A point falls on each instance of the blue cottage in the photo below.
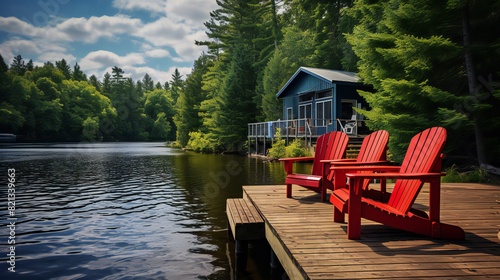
(324, 99)
(315, 101)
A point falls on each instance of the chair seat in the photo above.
(304, 180)
(304, 177)
(340, 199)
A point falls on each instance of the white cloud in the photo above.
(137, 73)
(14, 25)
(179, 37)
(57, 56)
(94, 28)
(163, 32)
(12, 48)
(193, 13)
(99, 59)
(74, 29)
(153, 6)
(37, 49)
(157, 53)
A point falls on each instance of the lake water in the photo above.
(123, 211)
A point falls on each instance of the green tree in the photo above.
(297, 50)
(30, 66)
(12, 106)
(18, 66)
(176, 85)
(47, 108)
(158, 101)
(187, 118)
(161, 128)
(95, 82)
(147, 83)
(412, 52)
(63, 66)
(3, 66)
(15, 92)
(90, 128)
(78, 74)
(106, 84)
(83, 106)
(237, 106)
(240, 44)
(209, 110)
(323, 19)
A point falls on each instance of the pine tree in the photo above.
(187, 118)
(78, 74)
(18, 66)
(3, 66)
(117, 74)
(176, 85)
(237, 106)
(64, 67)
(147, 83)
(412, 54)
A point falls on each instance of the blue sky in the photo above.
(140, 36)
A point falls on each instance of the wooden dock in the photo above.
(309, 245)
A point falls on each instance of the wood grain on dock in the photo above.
(310, 245)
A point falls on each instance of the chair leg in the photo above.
(354, 204)
(354, 225)
(338, 216)
(289, 190)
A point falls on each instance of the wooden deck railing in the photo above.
(291, 128)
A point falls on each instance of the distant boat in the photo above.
(7, 138)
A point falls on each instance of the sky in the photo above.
(139, 36)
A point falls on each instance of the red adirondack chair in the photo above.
(373, 151)
(422, 163)
(331, 145)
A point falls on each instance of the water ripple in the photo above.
(87, 214)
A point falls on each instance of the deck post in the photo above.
(241, 255)
(244, 223)
(257, 145)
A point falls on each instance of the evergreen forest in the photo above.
(430, 63)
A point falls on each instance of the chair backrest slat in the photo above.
(374, 147)
(331, 145)
(422, 156)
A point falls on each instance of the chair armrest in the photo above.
(339, 172)
(288, 162)
(356, 163)
(297, 159)
(338, 160)
(364, 167)
(391, 175)
(394, 175)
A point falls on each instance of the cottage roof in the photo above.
(327, 75)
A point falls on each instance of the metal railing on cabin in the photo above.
(302, 127)
(306, 128)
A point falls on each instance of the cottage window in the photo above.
(306, 97)
(305, 111)
(323, 112)
(324, 94)
(289, 113)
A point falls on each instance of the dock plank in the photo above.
(311, 246)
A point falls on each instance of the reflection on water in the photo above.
(122, 210)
